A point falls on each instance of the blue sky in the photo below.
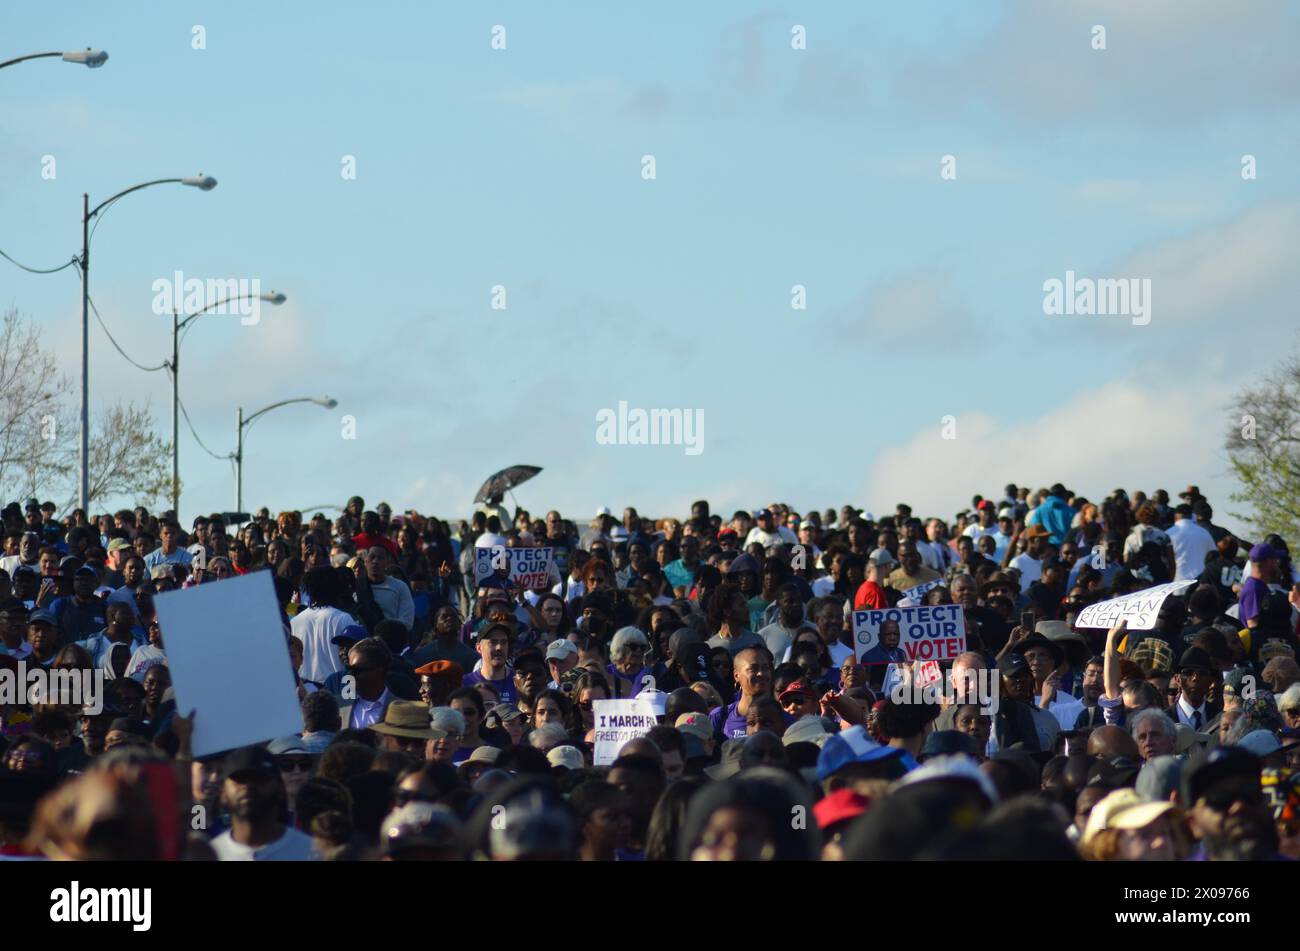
(522, 167)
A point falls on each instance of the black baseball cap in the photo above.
(249, 759)
(1011, 664)
(1212, 766)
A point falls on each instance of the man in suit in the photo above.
(1196, 673)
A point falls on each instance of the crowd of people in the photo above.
(448, 714)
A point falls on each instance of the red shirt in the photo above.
(365, 542)
(870, 595)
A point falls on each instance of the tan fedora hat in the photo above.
(407, 718)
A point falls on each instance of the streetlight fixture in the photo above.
(243, 423)
(203, 183)
(178, 324)
(87, 57)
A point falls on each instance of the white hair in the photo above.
(447, 719)
(1289, 699)
(622, 638)
(1166, 724)
(547, 736)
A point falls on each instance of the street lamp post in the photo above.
(178, 324)
(242, 423)
(87, 57)
(203, 183)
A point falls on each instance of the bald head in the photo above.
(641, 747)
(1110, 741)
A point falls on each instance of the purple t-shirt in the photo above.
(505, 687)
(727, 721)
(1252, 592)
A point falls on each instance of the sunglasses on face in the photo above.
(290, 764)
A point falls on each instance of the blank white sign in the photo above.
(229, 660)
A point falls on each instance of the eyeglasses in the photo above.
(290, 764)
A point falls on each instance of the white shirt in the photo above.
(1031, 569)
(367, 713)
(293, 846)
(1191, 544)
(1186, 710)
(766, 539)
(1066, 709)
(823, 586)
(142, 658)
(315, 627)
(575, 590)
(935, 555)
(393, 597)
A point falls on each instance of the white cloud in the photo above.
(1166, 61)
(1145, 433)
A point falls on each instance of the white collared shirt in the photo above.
(366, 713)
(1185, 711)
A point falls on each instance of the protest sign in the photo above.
(1140, 609)
(229, 659)
(917, 594)
(925, 632)
(618, 721)
(525, 567)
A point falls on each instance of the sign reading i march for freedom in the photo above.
(1140, 609)
(617, 722)
(525, 567)
(925, 632)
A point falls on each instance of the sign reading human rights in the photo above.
(926, 632)
(1140, 609)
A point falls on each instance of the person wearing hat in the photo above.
(493, 645)
(1045, 657)
(561, 657)
(119, 549)
(421, 832)
(43, 638)
(13, 629)
(438, 679)
(1196, 674)
(80, 614)
(406, 728)
(507, 717)
(871, 593)
(1018, 719)
(1228, 812)
(1125, 827)
(252, 792)
(835, 814)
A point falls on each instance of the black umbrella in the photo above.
(499, 483)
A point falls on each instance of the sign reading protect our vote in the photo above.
(1140, 609)
(525, 567)
(930, 632)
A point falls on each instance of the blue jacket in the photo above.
(1055, 515)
